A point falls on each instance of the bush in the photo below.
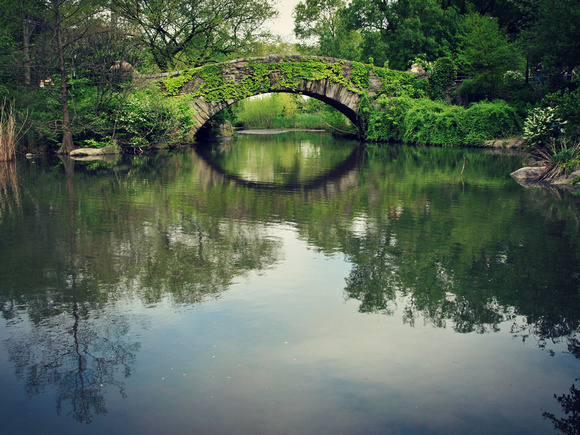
(150, 119)
(386, 124)
(424, 121)
(491, 120)
(541, 127)
(444, 73)
(513, 81)
(430, 122)
(567, 107)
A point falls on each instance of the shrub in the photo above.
(513, 80)
(558, 157)
(148, 118)
(444, 73)
(567, 107)
(490, 120)
(541, 127)
(425, 121)
(386, 124)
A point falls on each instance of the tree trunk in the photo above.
(27, 29)
(67, 142)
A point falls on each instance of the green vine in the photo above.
(259, 78)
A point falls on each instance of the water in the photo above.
(286, 284)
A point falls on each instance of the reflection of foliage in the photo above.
(77, 355)
(570, 404)
(456, 257)
(8, 186)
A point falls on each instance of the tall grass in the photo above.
(288, 111)
(7, 133)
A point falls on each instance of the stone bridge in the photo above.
(339, 83)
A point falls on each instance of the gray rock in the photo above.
(566, 179)
(511, 142)
(94, 151)
(528, 176)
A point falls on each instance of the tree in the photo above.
(402, 30)
(554, 36)
(484, 54)
(323, 20)
(194, 31)
(74, 24)
(20, 21)
(70, 20)
(315, 18)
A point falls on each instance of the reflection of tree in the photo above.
(570, 404)
(88, 242)
(71, 343)
(473, 283)
(192, 258)
(8, 186)
(455, 257)
(80, 353)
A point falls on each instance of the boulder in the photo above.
(565, 180)
(511, 142)
(528, 176)
(225, 129)
(417, 69)
(95, 151)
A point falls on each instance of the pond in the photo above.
(289, 283)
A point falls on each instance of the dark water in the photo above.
(287, 284)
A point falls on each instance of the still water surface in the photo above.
(287, 283)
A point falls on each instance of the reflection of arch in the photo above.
(341, 178)
(338, 83)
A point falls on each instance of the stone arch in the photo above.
(336, 82)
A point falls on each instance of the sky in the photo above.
(284, 24)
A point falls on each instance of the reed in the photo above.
(7, 133)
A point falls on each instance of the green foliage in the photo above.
(424, 121)
(323, 21)
(260, 112)
(177, 32)
(360, 75)
(283, 110)
(559, 157)
(92, 143)
(485, 55)
(399, 83)
(554, 35)
(444, 73)
(491, 120)
(541, 127)
(149, 119)
(386, 123)
(545, 140)
(291, 71)
(399, 31)
(513, 80)
(566, 105)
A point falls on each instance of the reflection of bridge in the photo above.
(341, 178)
(339, 83)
